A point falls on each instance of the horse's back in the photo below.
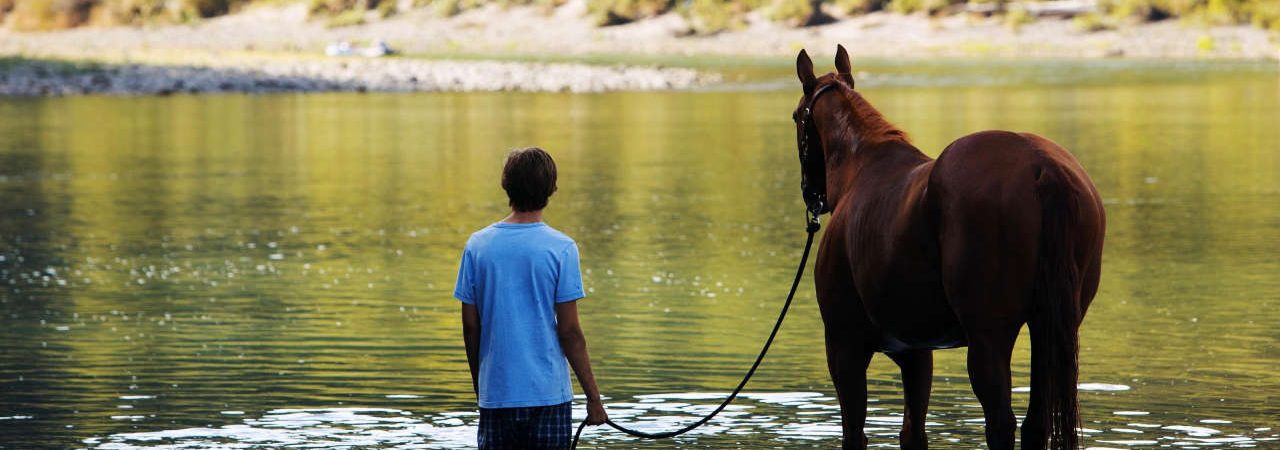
(987, 188)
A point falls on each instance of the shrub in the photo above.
(386, 8)
(1016, 17)
(930, 7)
(6, 6)
(346, 18)
(859, 6)
(33, 15)
(345, 12)
(132, 11)
(1260, 13)
(795, 13)
(448, 8)
(1265, 15)
(199, 9)
(710, 16)
(1092, 22)
(1205, 43)
(615, 12)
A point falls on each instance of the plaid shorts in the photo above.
(535, 427)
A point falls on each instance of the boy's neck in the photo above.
(524, 217)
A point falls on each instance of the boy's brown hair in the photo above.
(529, 177)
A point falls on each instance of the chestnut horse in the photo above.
(1003, 229)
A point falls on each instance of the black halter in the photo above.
(815, 198)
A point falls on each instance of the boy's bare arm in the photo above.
(471, 338)
(574, 344)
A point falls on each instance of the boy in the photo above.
(519, 284)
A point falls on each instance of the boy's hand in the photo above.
(595, 413)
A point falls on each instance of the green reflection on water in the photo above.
(249, 253)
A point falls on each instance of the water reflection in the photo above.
(175, 272)
(798, 419)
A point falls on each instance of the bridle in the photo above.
(815, 199)
(815, 202)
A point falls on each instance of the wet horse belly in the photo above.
(917, 320)
(951, 337)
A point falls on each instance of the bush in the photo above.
(449, 8)
(859, 6)
(930, 7)
(346, 18)
(199, 9)
(386, 8)
(795, 13)
(1265, 15)
(710, 16)
(1016, 17)
(1260, 13)
(1205, 43)
(6, 6)
(35, 15)
(335, 7)
(132, 11)
(616, 12)
(1092, 22)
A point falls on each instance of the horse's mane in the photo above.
(871, 126)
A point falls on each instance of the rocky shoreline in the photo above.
(36, 77)
(280, 49)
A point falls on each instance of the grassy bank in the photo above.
(703, 16)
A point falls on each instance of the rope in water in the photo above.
(812, 228)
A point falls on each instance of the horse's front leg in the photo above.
(917, 381)
(847, 359)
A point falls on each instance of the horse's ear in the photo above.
(804, 70)
(843, 69)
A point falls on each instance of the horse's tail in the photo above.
(1055, 312)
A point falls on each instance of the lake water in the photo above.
(275, 271)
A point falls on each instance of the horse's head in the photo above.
(812, 129)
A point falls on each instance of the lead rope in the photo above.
(811, 228)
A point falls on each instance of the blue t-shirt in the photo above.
(515, 273)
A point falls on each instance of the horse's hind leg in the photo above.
(989, 374)
(917, 381)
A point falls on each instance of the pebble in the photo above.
(53, 78)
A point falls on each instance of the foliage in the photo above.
(32, 15)
(1205, 43)
(859, 6)
(1017, 17)
(930, 7)
(710, 16)
(54, 14)
(6, 6)
(338, 7)
(615, 12)
(792, 12)
(704, 16)
(1092, 22)
(132, 11)
(192, 9)
(1260, 13)
(1264, 15)
(448, 8)
(346, 18)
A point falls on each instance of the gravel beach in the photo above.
(261, 75)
